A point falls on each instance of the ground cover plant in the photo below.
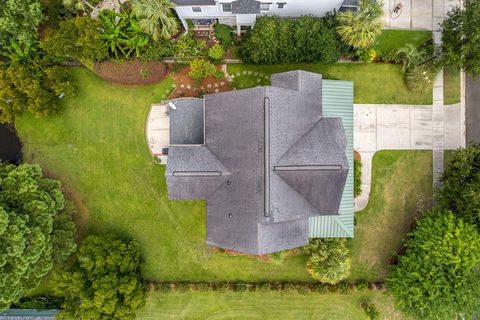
(99, 160)
(36, 229)
(396, 199)
(357, 184)
(451, 85)
(386, 76)
(267, 305)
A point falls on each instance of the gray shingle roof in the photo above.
(270, 161)
(245, 7)
(186, 121)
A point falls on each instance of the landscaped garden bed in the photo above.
(132, 72)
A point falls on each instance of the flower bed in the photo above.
(132, 72)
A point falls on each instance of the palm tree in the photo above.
(411, 56)
(156, 18)
(360, 29)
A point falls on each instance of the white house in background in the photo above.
(243, 13)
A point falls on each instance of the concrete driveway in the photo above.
(398, 127)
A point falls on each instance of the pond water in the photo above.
(10, 146)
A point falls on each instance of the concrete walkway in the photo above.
(401, 127)
(415, 14)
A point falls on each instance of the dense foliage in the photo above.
(223, 33)
(282, 40)
(20, 19)
(36, 86)
(77, 39)
(439, 276)
(460, 191)
(104, 283)
(329, 259)
(156, 18)
(81, 5)
(122, 33)
(187, 46)
(200, 69)
(216, 52)
(460, 38)
(360, 29)
(357, 184)
(36, 229)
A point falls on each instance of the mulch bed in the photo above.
(191, 89)
(356, 155)
(133, 72)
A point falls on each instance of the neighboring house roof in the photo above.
(245, 7)
(27, 314)
(194, 2)
(270, 162)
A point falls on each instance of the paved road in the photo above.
(472, 110)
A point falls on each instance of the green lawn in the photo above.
(97, 148)
(263, 305)
(390, 40)
(451, 85)
(401, 190)
(373, 83)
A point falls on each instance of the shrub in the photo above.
(104, 283)
(371, 310)
(329, 260)
(216, 52)
(460, 190)
(36, 229)
(223, 33)
(39, 303)
(366, 55)
(219, 74)
(439, 275)
(186, 46)
(357, 169)
(283, 40)
(156, 50)
(420, 78)
(200, 69)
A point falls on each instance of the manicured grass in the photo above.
(97, 148)
(373, 83)
(401, 191)
(263, 305)
(451, 85)
(390, 40)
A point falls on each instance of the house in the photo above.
(243, 13)
(267, 161)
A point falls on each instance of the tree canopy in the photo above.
(104, 283)
(360, 29)
(439, 276)
(283, 40)
(460, 191)
(329, 259)
(36, 86)
(77, 39)
(36, 229)
(156, 18)
(461, 38)
(20, 19)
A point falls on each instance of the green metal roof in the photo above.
(337, 101)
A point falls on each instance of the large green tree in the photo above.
(360, 29)
(104, 283)
(439, 275)
(20, 19)
(460, 190)
(156, 18)
(36, 229)
(461, 38)
(35, 86)
(329, 259)
(77, 39)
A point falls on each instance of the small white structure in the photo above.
(243, 13)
